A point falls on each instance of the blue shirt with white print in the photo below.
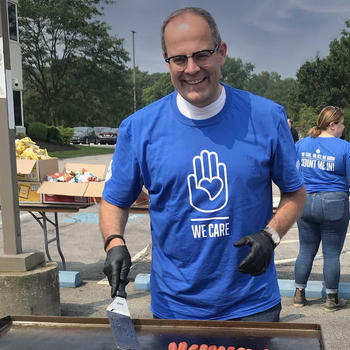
(324, 163)
(210, 183)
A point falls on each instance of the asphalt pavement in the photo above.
(82, 246)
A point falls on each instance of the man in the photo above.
(207, 154)
(293, 131)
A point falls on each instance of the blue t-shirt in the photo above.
(209, 183)
(324, 163)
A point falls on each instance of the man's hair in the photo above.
(329, 114)
(200, 12)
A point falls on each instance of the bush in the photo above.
(37, 131)
(54, 135)
(66, 134)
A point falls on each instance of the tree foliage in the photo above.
(73, 69)
(326, 81)
(339, 65)
(347, 123)
(313, 78)
(307, 119)
(161, 87)
(75, 72)
(270, 85)
(236, 73)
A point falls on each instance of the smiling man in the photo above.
(194, 58)
(207, 153)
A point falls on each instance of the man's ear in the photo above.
(222, 52)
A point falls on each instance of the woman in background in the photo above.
(325, 164)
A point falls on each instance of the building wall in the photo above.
(16, 64)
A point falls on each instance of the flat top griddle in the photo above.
(60, 333)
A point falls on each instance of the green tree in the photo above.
(161, 87)
(314, 80)
(326, 81)
(281, 92)
(236, 73)
(262, 83)
(347, 123)
(72, 67)
(307, 119)
(339, 68)
(143, 80)
(270, 85)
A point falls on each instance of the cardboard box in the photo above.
(36, 170)
(95, 189)
(59, 199)
(57, 192)
(98, 170)
(28, 192)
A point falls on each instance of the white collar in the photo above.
(200, 113)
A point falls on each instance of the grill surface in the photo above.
(59, 333)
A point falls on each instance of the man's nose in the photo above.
(191, 66)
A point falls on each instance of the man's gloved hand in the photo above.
(117, 266)
(258, 260)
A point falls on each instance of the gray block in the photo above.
(34, 292)
(70, 279)
(142, 281)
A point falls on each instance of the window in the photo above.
(12, 14)
(17, 107)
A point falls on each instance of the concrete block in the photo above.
(142, 281)
(287, 288)
(315, 289)
(70, 279)
(34, 292)
(24, 261)
(344, 290)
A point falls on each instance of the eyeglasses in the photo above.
(200, 57)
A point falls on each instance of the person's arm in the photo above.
(263, 243)
(118, 261)
(113, 220)
(289, 209)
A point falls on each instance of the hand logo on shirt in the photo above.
(207, 185)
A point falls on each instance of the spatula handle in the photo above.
(121, 289)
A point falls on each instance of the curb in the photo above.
(314, 289)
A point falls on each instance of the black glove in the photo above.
(258, 260)
(116, 268)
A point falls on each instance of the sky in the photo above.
(274, 35)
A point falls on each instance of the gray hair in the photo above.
(200, 12)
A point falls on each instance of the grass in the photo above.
(81, 151)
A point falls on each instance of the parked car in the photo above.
(84, 134)
(106, 135)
